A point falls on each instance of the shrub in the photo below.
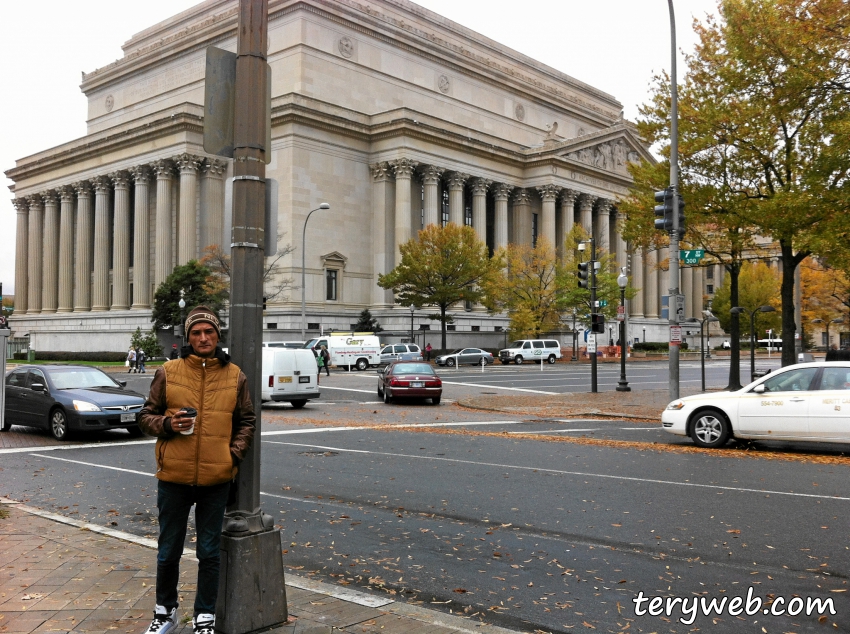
(74, 356)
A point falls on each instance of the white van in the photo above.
(290, 376)
(350, 349)
(537, 350)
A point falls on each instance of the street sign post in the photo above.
(621, 313)
(692, 256)
(591, 344)
(675, 335)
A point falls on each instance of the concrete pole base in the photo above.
(251, 589)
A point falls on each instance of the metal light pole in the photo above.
(575, 336)
(303, 269)
(412, 309)
(592, 273)
(622, 282)
(694, 320)
(760, 309)
(674, 184)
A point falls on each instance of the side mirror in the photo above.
(37, 387)
(759, 389)
(122, 383)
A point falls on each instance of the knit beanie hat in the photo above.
(202, 314)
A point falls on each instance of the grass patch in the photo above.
(4, 513)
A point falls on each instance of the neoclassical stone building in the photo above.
(394, 115)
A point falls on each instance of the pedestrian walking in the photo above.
(174, 352)
(320, 363)
(141, 357)
(428, 352)
(131, 360)
(326, 359)
(200, 411)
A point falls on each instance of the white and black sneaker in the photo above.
(164, 620)
(203, 624)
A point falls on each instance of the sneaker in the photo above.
(203, 624)
(163, 620)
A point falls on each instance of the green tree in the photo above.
(147, 341)
(757, 286)
(367, 323)
(441, 267)
(193, 279)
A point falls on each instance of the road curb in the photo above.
(514, 411)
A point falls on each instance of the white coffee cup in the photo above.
(190, 430)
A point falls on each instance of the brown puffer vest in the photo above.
(202, 458)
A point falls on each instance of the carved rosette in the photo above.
(403, 167)
(521, 197)
(444, 84)
(480, 186)
(381, 171)
(188, 163)
(456, 180)
(121, 179)
(163, 168)
(214, 168)
(549, 192)
(345, 46)
(431, 175)
(502, 191)
(67, 194)
(519, 112)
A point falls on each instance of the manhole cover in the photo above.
(318, 454)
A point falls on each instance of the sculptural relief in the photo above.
(607, 156)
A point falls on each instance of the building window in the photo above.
(444, 204)
(331, 280)
(824, 339)
(709, 273)
(272, 325)
(476, 329)
(533, 231)
(498, 328)
(467, 207)
(709, 288)
(312, 326)
(451, 327)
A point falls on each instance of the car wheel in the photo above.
(551, 358)
(450, 362)
(482, 361)
(387, 398)
(59, 425)
(298, 404)
(518, 359)
(135, 432)
(362, 364)
(435, 400)
(710, 429)
(380, 392)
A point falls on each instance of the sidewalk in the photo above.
(61, 575)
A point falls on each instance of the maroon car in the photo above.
(405, 379)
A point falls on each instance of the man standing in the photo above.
(200, 410)
(174, 352)
(141, 357)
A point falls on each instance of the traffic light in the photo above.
(597, 323)
(664, 211)
(584, 274)
(681, 216)
(264, 303)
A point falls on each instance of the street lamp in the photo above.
(182, 305)
(644, 334)
(693, 320)
(622, 282)
(303, 269)
(761, 309)
(412, 308)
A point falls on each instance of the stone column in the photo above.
(66, 249)
(36, 257)
(456, 181)
(22, 208)
(121, 242)
(622, 249)
(141, 237)
(522, 217)
(568, 216)
(479, 207)
(84, 253)
(650, 294)
(50, 254)
(585, 202)
(501, 191)
(698, 293)
(162, 260)
(687, 289)
(212, 206)
(549, 194)
(102, 231)
(187, 218)
(403, 169)
(603, 225)
(431, 180)
(637, 305)
(382, 230)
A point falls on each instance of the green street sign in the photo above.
(603, 303)
(692, 256)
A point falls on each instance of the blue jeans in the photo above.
(174, 502)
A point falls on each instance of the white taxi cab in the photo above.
(805, 402)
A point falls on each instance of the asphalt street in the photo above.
(489, 516)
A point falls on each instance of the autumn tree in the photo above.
(192, 279)
(758, 286)
(441, 267)
(275, 285)
(825, 295)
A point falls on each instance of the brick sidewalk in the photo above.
(60, 575)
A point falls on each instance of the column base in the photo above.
(251, 590)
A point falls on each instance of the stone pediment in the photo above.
(335, 257)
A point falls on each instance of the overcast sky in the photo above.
(614, 45)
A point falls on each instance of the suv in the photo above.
(400, 352)
(536, 350)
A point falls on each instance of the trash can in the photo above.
(30, 356)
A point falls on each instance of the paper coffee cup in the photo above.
(190, 411)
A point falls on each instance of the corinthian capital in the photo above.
(587, 200)
(501, 191)
(431, 174)
(35, 202)
(381, 171)
(120, 179)
(456, 180)
(188, 163)
(50, 197)
(163, 168)
(548, 192)
(214, 168)
(568, 197)
(403, 167)
(83, 189)
(521, 197)
(604, 206)
(141, 174)
(22, 206)
(101, 184)
(480, 186)
(67, 194)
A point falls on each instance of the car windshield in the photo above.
(517, 344)
(79, 378)
(311, 343)
(458, 351)
(412, 368)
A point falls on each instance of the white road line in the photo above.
(573, 473)
(66, 447)
(93, 464)
(346, 389)
(496, 387)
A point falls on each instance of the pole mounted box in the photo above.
(597, 323)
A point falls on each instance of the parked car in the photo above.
(400, 352)
(283, 344)
(403, 379)
(69, 398)
(465, 356)
(802, 402)
(537, 350)
(289, 376)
